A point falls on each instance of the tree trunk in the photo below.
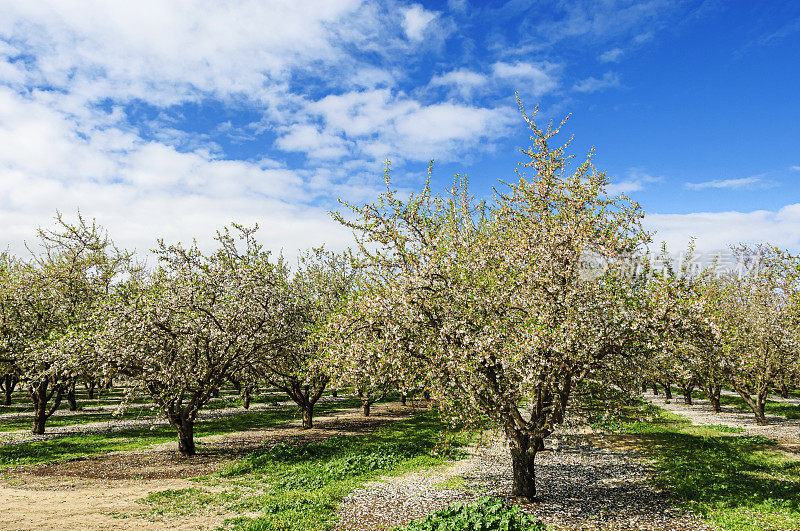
(761, 417)
(687, 395)
(757, 405)
(402, 399)
(523, 454)
(784, 391)
(73, 404)
(334, 393)
(9, 382)
(426, 395)
(668, 391)
(90, 386)
(39, 420)
(308, 415)
(246, 398)
(713, 392)
(365, 407)
(715, 403)
(40, 398)
(186, 438)
(655, 389)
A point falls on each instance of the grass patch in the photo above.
(300, 487)
(735, 482)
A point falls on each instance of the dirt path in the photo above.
(103, 492)
(583, 485)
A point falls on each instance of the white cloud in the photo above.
(379, 124)
(593, 84)
(169, 52)
(317, 144)
(611, 56)
(795, 167)
(463, 80)
(744, 182)
(140, 190)
(537, 78)
(635, 182)
(415, 21)
(719, 230)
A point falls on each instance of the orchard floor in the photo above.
(586, 481)
(785, 431)
(104, 492)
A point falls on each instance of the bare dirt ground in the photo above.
(103, 492)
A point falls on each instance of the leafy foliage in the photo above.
(485, 514)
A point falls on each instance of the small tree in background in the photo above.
(47, 306)
(320, 285)
(757, 316)
(182, 331)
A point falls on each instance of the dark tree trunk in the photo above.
(246, 398)
(73, 404)
(715, 403)
(39, 420)
(655, 389)
(757, 405)
(9, 382)
(334, 393)
(784, 391)
(40, 398)
(713, 393)
(308, 415)
(687, 394)
(668, 390)
(644, 386)
(90, 387)
(426, 395)
(186, 438)
(365, 407)
(403, 399)
(523, 454)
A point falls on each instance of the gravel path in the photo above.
(582, 485)
(781, 429)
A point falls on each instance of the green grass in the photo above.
(735, 482)
(300, 487)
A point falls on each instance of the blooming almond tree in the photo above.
(687, 337)
(493, 299)
(759, 313)
(318, 287)
(47, 306)
(182, 331)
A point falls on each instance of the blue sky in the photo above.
(171, 119)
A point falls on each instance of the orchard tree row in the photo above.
(740, 331)
(485, 305)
